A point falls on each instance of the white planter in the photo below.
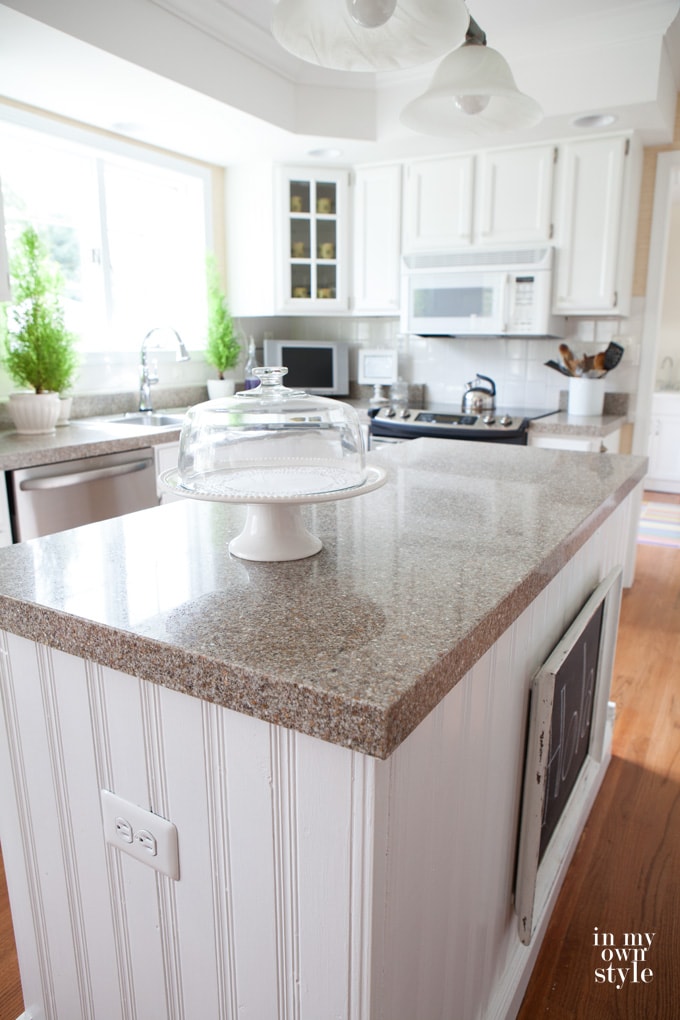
(220, 388)
(586, 396)
(34, 413)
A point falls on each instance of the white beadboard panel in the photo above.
(241, 772)
(135, 899)
(448, 943)
(197, 968)
(62, 988)
(314, 881)
(365, 862)
(18, 849)
(66, 682)
(322, 883)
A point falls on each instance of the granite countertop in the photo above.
(86, 438)
(577, 425)
(355, 645)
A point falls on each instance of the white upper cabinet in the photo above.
(376, 240)
(514, 195)
(599, 184)
(438, 203)
(287, 243)
(313, 259)
(289, 248)
(493, 198)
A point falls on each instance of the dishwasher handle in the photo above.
(81, 477)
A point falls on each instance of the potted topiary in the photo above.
(38, 350)
(223, 348)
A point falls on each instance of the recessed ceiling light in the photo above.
(324, 153)
(595, 120)
(126, 127)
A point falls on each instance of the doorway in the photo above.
(666, 195)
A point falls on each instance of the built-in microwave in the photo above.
(474, 292)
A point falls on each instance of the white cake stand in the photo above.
(274, 529)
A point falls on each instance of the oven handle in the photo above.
(81, 477)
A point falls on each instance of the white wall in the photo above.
(668, 347)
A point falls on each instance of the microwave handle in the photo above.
(505, 303)
(507, 298)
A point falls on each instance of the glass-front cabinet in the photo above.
(314, 220)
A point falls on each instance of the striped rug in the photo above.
(660, 524)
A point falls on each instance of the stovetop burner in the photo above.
(502, 424)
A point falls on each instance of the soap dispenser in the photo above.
(251, 380)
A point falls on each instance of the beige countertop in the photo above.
(355, 645)
(563, 423)
(86, 438)
(91, 436)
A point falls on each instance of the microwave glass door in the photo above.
(456, 303)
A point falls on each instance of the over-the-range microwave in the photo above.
(477, 292)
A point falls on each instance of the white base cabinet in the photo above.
(584, 444)
(664, 444)
(315, 881)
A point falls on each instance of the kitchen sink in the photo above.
(152, 419)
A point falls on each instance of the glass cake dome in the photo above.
(271, 443)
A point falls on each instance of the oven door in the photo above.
(446, 303)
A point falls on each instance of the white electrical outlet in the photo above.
(146, 837)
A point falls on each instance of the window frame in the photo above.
(98, 143)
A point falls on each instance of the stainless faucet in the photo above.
(148, 374)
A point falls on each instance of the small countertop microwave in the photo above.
(477, 292)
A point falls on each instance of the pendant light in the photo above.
(472, 91)
(369, 35)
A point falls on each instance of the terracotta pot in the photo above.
(34, 413)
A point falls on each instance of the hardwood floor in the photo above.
(625, 873)
(11, 999)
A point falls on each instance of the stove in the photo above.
(502, 425)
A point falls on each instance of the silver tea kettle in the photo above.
(477, 396)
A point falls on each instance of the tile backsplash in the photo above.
(441, 366)
(444, 365)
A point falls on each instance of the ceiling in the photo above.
(205, 77)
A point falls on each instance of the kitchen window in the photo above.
(128, 227)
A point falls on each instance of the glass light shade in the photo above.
(463, 80)
(271, 443)
(324, 32)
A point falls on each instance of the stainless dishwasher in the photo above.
(54, 497)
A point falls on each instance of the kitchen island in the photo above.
(338, 740)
